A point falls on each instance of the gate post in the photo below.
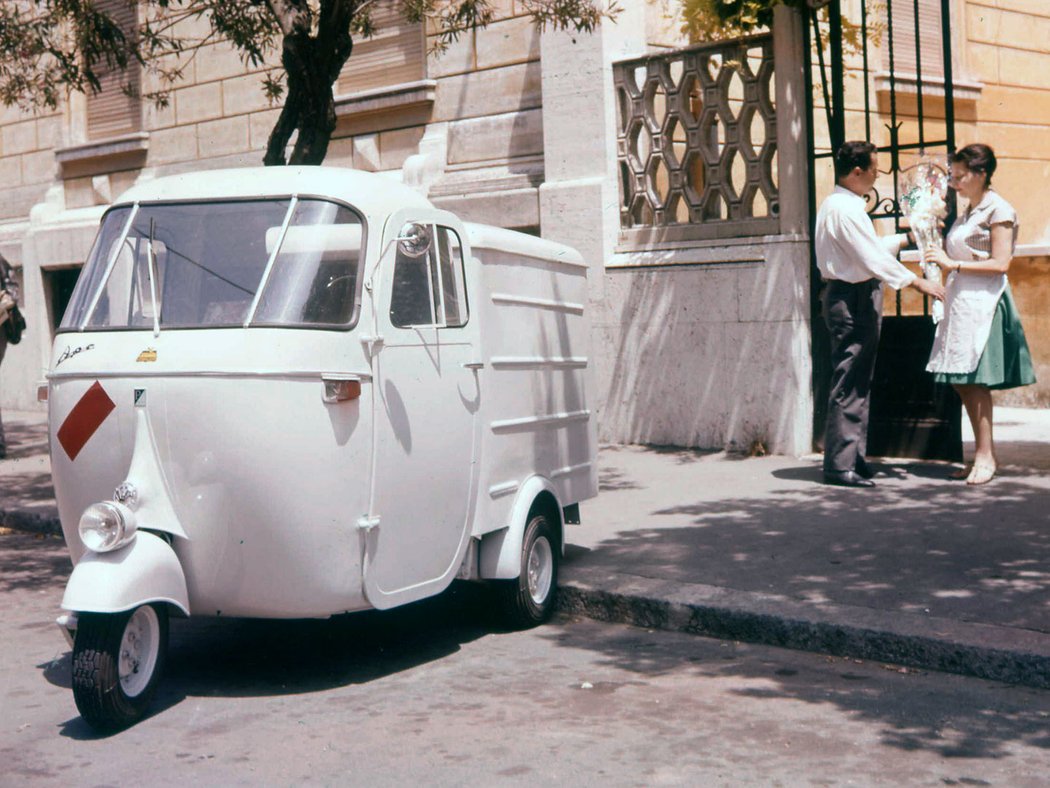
(792, 120)
(579, 196)
(793, 178)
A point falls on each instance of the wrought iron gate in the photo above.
(910, 416)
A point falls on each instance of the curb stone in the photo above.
(31, 523)
(905, 639)
(908, 639)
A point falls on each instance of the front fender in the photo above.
(500, 555)
(147, 570)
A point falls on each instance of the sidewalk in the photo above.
(919, 571)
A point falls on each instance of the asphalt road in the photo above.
(433, 695)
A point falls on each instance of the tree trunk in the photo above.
(316, 123)
(312, 66)
(287, 122)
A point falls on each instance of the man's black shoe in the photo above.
(847, 479)
(863, 469)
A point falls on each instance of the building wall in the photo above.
(475, 136)
(489, 98)
(27, 169)
(704, 345)
(1007, 48)
(714, 355)
(1030, 283)
(473, 125)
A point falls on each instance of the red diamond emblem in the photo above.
(85, 418)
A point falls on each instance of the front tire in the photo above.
(118, 659)
(529, 599)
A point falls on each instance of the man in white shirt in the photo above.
(854, 262)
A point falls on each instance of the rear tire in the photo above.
(118, 659)
(529, 599)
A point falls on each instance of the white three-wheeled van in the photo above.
(299, 392)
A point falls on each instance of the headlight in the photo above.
(106, 526)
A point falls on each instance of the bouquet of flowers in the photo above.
(925, 187)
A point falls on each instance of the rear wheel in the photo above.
(529, 599)
(117, 662)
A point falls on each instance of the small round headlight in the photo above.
(106, 526)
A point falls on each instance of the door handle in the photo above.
(474, 365)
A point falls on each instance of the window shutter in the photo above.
(111, 112)
(394, 55)
(930, 39)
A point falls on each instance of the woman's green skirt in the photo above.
(1005, 362)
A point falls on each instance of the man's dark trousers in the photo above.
(853, 315)
(3, 348)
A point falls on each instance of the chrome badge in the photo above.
(126, 494)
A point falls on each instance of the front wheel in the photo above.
(117, 662)
(529, 599)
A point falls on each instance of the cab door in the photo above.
(427, 377)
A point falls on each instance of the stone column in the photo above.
(792, 118)
(793, 164)
(579, 199)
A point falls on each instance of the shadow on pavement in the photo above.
(906, 720)
(971, 554)
(25, 439)
(28, 488)
(258, 658)
(33, 562)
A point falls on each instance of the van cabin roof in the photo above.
(486, 236)
(368, 192)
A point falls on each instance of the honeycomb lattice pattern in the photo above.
(697, 142)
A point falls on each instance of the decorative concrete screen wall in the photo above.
(700, 273)
(696, 143)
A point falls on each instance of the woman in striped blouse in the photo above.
(980, 344)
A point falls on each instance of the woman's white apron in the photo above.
(971, 300)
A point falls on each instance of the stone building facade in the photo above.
(699, 339)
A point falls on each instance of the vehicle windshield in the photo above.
(287, 262)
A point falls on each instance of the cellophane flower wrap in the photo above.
(925, 186)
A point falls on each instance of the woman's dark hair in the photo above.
(854, 153)
(976, 158)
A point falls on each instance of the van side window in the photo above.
(453, 293)
(428, 291)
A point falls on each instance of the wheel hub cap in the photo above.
(139, 648)
(540, 570)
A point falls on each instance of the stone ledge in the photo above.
(403, 96)
(475, 179)
(100, 157)
(114, 146)
(962, 90)
(754, 249)
(513, 208)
